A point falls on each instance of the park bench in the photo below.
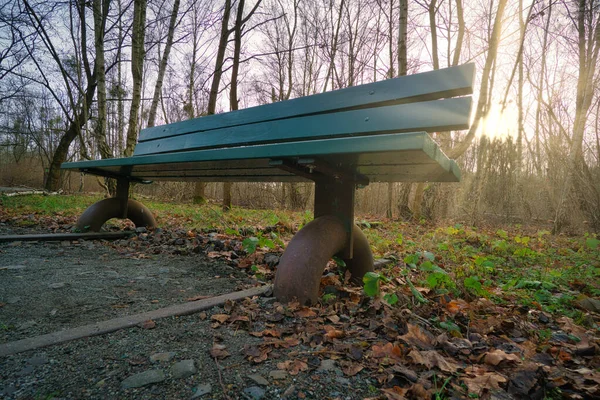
(340, 140)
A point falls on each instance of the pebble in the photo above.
(259, 379)
(14, 267)
(141, 229)
(162, 357)
(183, 369)
(38, 360)
(289, 392)
(278, 374)
(327, 365)
(201, 390)
(57, 285)
(144, 378)
(254, 392)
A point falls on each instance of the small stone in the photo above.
(278, 374)
(259, 379)
(38, 360)
(590, 304)
(141, 229)
(254, 392)
(65, 243)
(183, 369)
(201, 390)
(327, 365)
(144, 378)
(271, 259)
(162, 357)
(13, 300)
(57, 285)
(289, 392)
(382, 262)
(101, 383)
(342, 381)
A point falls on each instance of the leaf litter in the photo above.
(435, 341)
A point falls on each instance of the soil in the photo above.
(50, 286)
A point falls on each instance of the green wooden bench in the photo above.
(340, 140)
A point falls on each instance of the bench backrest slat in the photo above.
(438, 115)
(427, 86)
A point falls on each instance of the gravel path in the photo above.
(49, 286)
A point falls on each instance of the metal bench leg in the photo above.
(331, 232)
(121, 206)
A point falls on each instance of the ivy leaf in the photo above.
(249, 244)
(339, 261)
(371, 283)
(472, 283)
(390, 298)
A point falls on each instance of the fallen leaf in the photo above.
(495, 357)
(418, 337)
(432, 358)
(294, 367)
(219, 351)
(305, 312)
(395, 393)
(386, 350)
(239, 318)
(148, 324)
(334, 318)
(222, 318)
(332, 333)
(351, 368)
(271, 332)
(485, 381)
(457, 305)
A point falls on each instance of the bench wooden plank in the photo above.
(432, 85)
(406, 152)
(438, 115)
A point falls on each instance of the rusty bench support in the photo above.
(120, 206)
(332, 232)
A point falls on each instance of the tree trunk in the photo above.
(484, 92)
(216, 82)
(101, 8)
(163, 64)
(137, 72)
(60, 154)
(588, 58)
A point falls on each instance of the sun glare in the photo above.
(498, 123)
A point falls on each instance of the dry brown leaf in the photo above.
(148, 324)
(239, 318)
(219, 351)
(457, 305)
(418, 337)
(495, 357)
(331, 280)
(432, 358)
(222, 318)
(387, 350)
(334, 319)
(294, 367)
(305, 312)
(333, 333)
(395, 393)
(271, 332)
(351, 368)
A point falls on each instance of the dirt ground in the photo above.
(50, 286)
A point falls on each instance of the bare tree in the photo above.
(138, 52)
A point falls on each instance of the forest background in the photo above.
(79, 79)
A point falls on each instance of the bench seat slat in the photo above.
(432, 85)
(438, 115)
(387, 158)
